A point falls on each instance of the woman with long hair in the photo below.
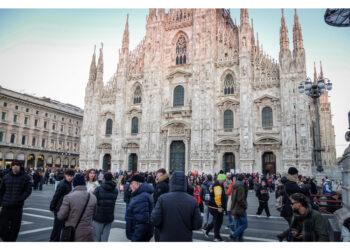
(91, 180)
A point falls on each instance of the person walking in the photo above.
(138, 214)
(217, 206)
(91, 180)
(263, 196)
(307, 224)
(15, 188)
(72, 207)
(106, 195)
(205, 197)
(63, 188)
(176, 213)
(239, 206)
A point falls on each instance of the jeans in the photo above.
(10, 223)
(216, 223)
(101, 231)
(242, 224)
(231, 221)
(207, 217)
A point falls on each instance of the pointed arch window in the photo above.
(228, 119)
(181, 49)
(137, 95)
(228, 85)
(109, 125)
(179, 93)
(267, 117)
(135, 125)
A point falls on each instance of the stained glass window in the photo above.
(181, 49)
(228, 85)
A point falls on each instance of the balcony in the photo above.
(177, 112)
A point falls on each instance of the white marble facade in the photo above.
(214, 47)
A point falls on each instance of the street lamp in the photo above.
(315, 90)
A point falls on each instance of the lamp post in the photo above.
(315, 90)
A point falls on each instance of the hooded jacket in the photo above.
(15, 189)
(239, 196)
(162, 187)
(106, 195)
(177, 213)
(138, 214)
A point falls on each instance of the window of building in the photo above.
(23, 140)
(27, 110)
(135, 125)
(36, 123)
(46, 114)
(137, 95)
(228, 85)
(77, 123)
(109, 125)
(43, 143)
(16, 107)
(179, 93)
(67, 146)
(52, 144)
(54, 126)
(14, 118)
(5, 104)
(76, 131)
(37, 112)
(1, 136)
(267, 118)
(228, 119)
(33, 141)
(62, 118)
(45, 124)
(75, 146)
(59, 144)
(70, 120)
(181, 49)
(3, 116)
(69, 130)
(12, 139)
(54, 117)
(62, 128)
(25, 120)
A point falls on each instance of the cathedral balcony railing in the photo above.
(226, 61)
(182, 111)
(234, 132)
(274, 130)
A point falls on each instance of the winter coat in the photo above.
(71, 209)
(138, 214)
(63, 188)
(217, 196)
(312, 225)
(262, 193)
(177, 213)
(239, 196)
(15, 189)
(205, 189)
(106, 195)
(196, 195)
(127, 192)
(162, 187)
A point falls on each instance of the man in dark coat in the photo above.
(138, 215)
(176, 213)
(14, 190)
(63, 188)
(162, 187)
(263, 196)
(106, 195)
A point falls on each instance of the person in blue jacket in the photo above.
(138, 214)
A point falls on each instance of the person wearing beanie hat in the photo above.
(293, 171)
(138, 214)
(217, 206)
(15, 188)
(73, 205)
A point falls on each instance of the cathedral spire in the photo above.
(257, 43)
(244, 17)
(92, 75)
(315, 73)
(284, 40)
(253, 38)
(321, 70)
(125, 46)
(100, 64)
(297, 34)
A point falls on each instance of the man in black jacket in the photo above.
(176, 213)
(106, 195)
(63, 188)
(263, 195)
(14, 190)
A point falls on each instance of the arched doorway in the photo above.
(268, 163)
(20, 158)
(177, 156)
(228, 162)
(132, 165)
(31, 161)
(106, 162)
(40, 163)
(9, 157)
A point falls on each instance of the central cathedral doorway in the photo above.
(106, 162)
(268, 163)
(228, 162)
(177, 156)
(132, 163)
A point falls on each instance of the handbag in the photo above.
(68, 233)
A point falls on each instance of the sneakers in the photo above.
(258, 216)
(268, 216)
(217, 240)
(227, 227)
(206, 235)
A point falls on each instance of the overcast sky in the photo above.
(47, 52)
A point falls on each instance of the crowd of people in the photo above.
(165, 206)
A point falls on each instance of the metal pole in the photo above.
(318, 137)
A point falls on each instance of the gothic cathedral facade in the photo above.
(199, 93)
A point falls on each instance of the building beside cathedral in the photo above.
(199, 93)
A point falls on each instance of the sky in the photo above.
(47, 52)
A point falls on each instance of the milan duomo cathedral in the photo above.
(199, 93)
